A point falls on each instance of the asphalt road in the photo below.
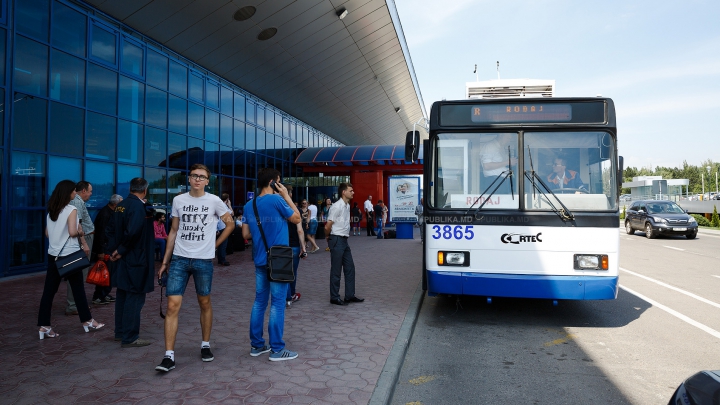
(664, 326)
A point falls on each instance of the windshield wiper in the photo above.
(502, 177)
(531, 175)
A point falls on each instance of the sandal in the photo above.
(47, 331)
(92, 325)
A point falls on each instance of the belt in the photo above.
(339, 236)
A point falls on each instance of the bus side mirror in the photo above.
(412, 146)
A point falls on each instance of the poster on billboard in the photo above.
(403, 196)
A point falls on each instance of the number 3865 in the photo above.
(449, 232)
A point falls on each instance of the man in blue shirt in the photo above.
(274, 208)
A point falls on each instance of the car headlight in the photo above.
(691, 220)
(658, 219)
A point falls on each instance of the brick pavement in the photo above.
(342, 350)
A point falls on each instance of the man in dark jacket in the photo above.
(102, 296)
(131, 245)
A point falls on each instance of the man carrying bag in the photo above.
(273, 207)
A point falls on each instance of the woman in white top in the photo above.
(66, 237)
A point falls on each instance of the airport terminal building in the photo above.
(105, 91)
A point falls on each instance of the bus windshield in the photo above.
(574, 168)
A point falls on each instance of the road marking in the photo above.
(560, 341)
(670, 247)
(674, 313)
(689, 294)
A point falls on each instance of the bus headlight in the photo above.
(591, 262)
(454, 259)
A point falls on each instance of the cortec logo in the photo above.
(516, 239)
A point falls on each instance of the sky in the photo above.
(658, 60)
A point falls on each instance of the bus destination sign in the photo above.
(513, 113)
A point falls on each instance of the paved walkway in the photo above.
(342, 350)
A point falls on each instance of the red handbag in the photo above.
(99, 273)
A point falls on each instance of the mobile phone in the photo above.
(303, 255)
(273, 185)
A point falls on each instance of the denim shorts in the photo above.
(312, 228)
(179, 274)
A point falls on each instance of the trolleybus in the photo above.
(521, 198)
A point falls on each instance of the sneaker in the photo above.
(287, 304)
(166, 365)
(256, 351)
(206, 354)
(283, 355)
(296, 297)
(110, 298)
(98, 301)
(136, 343)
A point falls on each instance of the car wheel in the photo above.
(628, 228)
(691, 235)
(649, 232)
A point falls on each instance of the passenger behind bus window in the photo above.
(494, 160)
(561, 178)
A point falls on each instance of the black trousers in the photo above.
(52, 282)
(128, 306)
(369, 223)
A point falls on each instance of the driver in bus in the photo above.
(561, 178)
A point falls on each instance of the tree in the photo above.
(715, 219)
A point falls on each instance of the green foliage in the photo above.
(701, 220)
(622, 214)
(715, 219)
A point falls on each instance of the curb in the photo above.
(391, 371)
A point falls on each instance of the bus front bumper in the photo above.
(522, 286)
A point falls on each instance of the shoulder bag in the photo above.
(279, 258)
(72, 263)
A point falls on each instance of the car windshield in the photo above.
(664, 208)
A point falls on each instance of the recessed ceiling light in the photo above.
(342, 13)
(267, 33)
(244, 13)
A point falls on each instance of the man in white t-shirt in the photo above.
(369, 223)
(190, 250)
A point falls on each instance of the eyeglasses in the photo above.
(557, 165)
(198, 177)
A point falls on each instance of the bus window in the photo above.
(576, 166)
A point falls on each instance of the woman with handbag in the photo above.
(66, 237)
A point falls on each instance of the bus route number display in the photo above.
(507, 113)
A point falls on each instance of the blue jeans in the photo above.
(179, 274)
(221, 252)
(160, 244)
(296, 263)
(128, 306)
(264, 289)
(378, 228)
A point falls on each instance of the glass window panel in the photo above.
(260, 117)
(211, 93)
(32, 18)
(69, 29)
(240, 197)
(62, 168)
(157, 188)
(131, 99)
(124, 175)
(195, 151)
(31, 67)
(103, 45)
(101, 136)
(214, 185)
(177, 114)
(130, 142)
(196, 120)
(28, 183)
(156, 108)
(239, 135)
(67, 78)
(102, 177)
(226, 161)
(2, 122)
(226, 101)
(26, 237)
(239, 107)
(270, 121)
(249, 137)
(67, 126)
(212, 126)
(30, 122)
(3, 35)
(260, 140)
(177, 183)
(178, 79)
(212, 157)
(177, 151)
(157, 71)
(250, 112)
(239, 163)
(226, 186)
(155, 147)
(250, 165)
(102, 89)
(132, 60)
(196, 86)
(1, 177)
(226, 130)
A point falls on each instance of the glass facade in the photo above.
(91, 100)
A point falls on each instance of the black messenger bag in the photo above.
(279, 258)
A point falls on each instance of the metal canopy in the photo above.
(372, 155)
(344, 77)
